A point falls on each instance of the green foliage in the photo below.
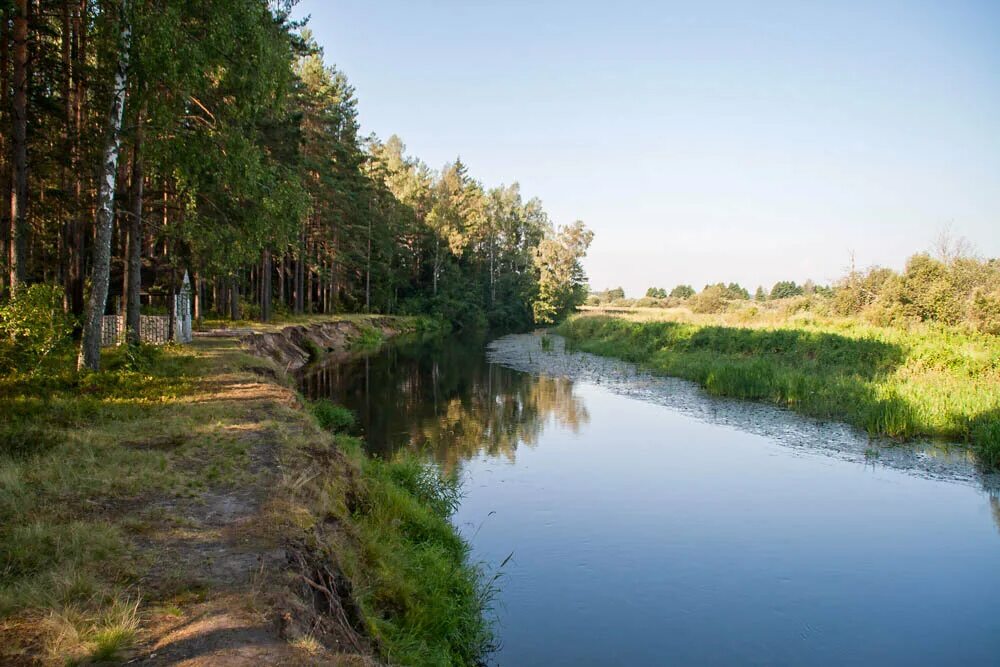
(34, 329)
(440, 492)
(266, 190)
(682, 292)
(138, 358)
(984, 311)
(369, 337)
(896, 383)
(656, 293)
(784, 289)
(614, 294)
(332, 417)
(561, 283)
(312, 349)
(956, 290)
(730, 291)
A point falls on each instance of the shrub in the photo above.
(984, 311)
(332, 417)
(709, 300)
(34, 328)
(249, 310)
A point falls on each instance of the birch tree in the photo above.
(90, 348)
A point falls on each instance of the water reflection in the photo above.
(653, 514)
(443, 397)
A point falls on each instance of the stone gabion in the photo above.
(153, 329)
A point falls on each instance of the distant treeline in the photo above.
(952, 287)
(140, 140)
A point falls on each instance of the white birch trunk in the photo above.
(90, 348)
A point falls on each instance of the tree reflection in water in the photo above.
(444, 398)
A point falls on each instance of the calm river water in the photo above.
(653, 525)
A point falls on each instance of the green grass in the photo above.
(384, 525)
(425, 605)
(368, 337)
(85, 459)
(931, 381)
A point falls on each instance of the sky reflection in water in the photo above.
(644, 535)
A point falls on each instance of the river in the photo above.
(651, 524)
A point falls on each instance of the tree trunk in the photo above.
(90, 348)
(172, 306)
(493, 290)
(309, 290)
(133, 264)
(368, 267)
(437, 261)
(265, 287)
(77, 267)
(65, 238)
(5, 203)
(19, 135)
(198, 297)
(281, 279)
(299, 275)
(234, 298)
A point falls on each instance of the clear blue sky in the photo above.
(701, 141)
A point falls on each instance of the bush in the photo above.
(34, 328)
(984, 311)
(332, 417)
(710, 300)
(249, 310)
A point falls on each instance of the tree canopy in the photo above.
(242, 162)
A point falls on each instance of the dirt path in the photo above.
(214, 554)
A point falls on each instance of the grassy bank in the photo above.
(187, 489)
(924, 381)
